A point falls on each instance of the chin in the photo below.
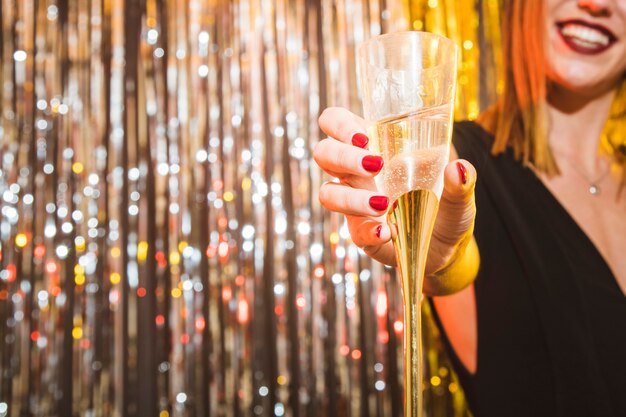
(583, 76)
(576, 79)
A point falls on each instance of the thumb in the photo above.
(457, 210)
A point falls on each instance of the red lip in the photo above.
(583, 49)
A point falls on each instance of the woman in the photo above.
(541, 331)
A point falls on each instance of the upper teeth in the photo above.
(585, 34)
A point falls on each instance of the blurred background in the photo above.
(162, 248)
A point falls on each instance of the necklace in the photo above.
(594, 185)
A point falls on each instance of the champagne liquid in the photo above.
(415, 149)
(411, 220)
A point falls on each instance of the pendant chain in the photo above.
(594, 185)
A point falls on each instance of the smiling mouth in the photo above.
(586, 38)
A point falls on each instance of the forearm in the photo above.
(457, 274)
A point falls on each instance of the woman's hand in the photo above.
(344, 155)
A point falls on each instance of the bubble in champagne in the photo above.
(418, 169)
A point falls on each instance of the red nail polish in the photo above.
(379, 202)
(462, 172)
(372, 163)
(360, 140)
(379, 228)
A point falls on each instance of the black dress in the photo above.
(551, 316)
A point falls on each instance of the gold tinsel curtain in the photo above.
(162, 248)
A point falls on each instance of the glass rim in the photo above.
(413, 33)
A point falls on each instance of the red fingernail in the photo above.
(379, 202)
(462, 172)
(379, 228)
(372, 163)
(360, 140)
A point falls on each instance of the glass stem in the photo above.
(411, 220)
(413, 378)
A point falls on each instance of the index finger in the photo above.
(342, 124)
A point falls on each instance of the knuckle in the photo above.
(341, 129)
(323, 116)
(360, 243)
(321, 152)
(318, 151)
(341, 157)
(336, 122)
(332, 110)
(327, 115)
(357, 237)
(346, 202)
(323, 195)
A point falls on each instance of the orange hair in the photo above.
(519, 120)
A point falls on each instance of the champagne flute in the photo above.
(408, 82)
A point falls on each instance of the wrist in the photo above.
(457, 273)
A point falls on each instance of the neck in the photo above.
(576, 123)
